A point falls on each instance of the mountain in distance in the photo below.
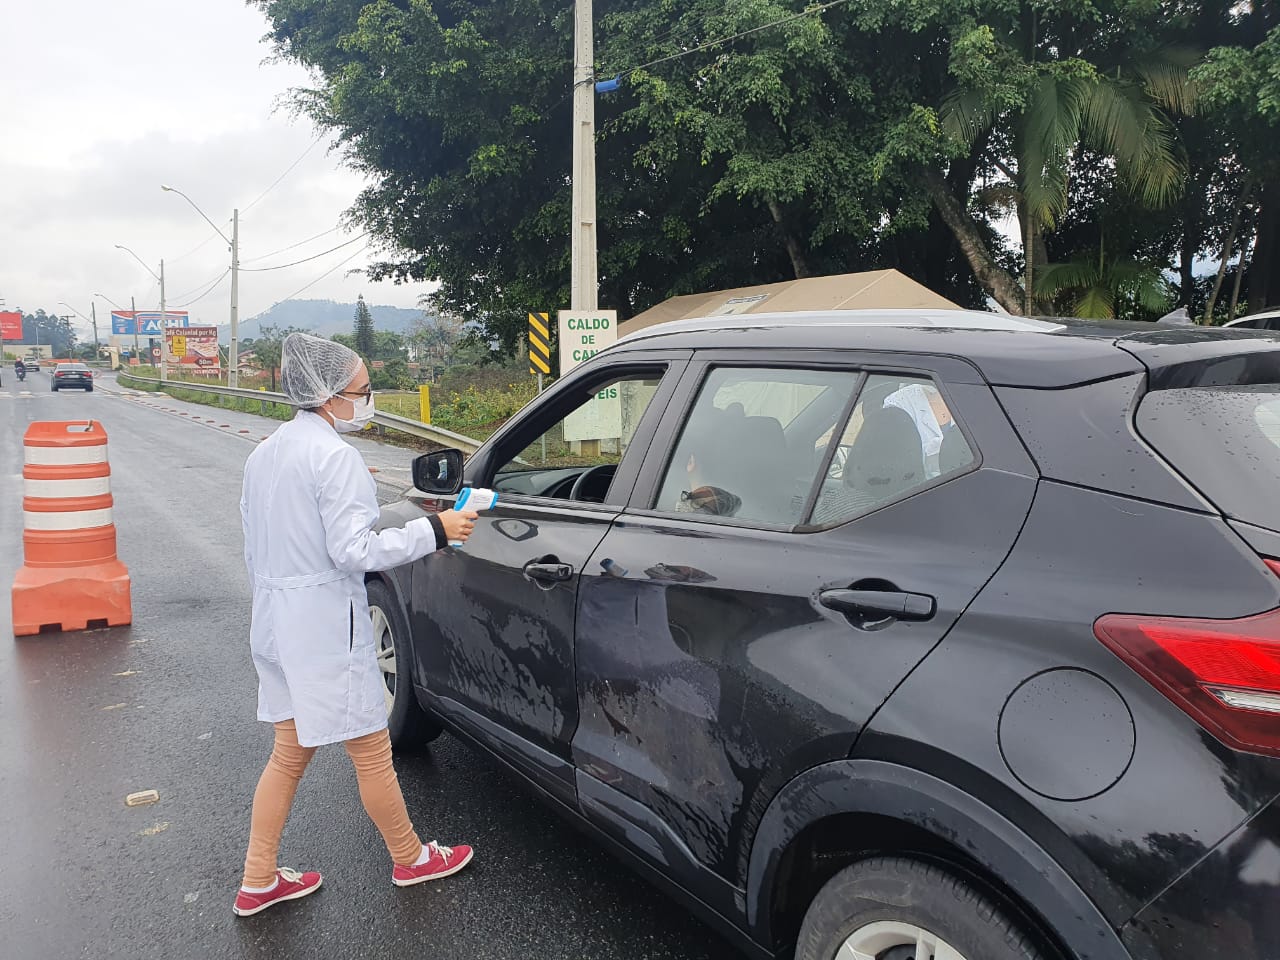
(323, 318)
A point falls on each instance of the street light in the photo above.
(93, 308)
(164, 318)
(233, 355)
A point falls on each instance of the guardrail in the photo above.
(388, 421)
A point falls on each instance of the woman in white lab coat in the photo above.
(309, 507)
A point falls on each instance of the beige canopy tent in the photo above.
(884, 289)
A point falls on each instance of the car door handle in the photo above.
(879, 604)
(548, 572)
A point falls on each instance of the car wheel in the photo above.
(88, 389)
(408, 723)
(898, 909)
(53, 387)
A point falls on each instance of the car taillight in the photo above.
(1225, 674)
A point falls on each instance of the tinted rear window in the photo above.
(1226, 441)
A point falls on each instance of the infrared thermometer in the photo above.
(474, 498)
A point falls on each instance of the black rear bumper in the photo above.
(1226, 908)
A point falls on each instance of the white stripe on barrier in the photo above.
(65, 456)
(71, 520)
(89, 487)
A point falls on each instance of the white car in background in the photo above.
(1267, 320)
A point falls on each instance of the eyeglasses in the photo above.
(364, 394)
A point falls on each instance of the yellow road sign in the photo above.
(539, 343)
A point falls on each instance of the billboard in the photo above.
(147, 322)
(10, 325)
(194, 350)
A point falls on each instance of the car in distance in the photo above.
(1267, 320)
(884, 634)
(71, 375)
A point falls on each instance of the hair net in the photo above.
(313, 370)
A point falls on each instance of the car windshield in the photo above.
(1225, 440)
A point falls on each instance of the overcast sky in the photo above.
(101, 102)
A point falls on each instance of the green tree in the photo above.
(854, 137)
(432, 337)
(387, 345)
(1240, 84)
(363, 335)
(1099, 288)
(1023, 99)
(267, 346)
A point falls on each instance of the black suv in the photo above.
(885, 635)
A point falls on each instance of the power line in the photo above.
(292, 246)
(203, 243)
(216, 283)
(282, 266)
(288, 170)
(201, 286)
(307, 286)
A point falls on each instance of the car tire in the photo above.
(410, 726)
(891, 907)
(53, 387)
(88, 389)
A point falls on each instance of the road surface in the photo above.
(168, 704)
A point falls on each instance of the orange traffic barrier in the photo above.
(71, 578)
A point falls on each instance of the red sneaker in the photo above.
(443, 862)
(290, 885)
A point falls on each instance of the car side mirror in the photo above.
(439, 472)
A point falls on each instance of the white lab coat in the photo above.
(309, 506)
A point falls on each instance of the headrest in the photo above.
(887, 457)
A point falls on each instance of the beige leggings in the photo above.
(379, 792)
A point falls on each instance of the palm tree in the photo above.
(1120, 113)
(1104, 290)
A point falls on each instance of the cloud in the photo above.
(102, 103)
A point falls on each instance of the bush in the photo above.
(475, 407)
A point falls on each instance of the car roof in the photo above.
(1007, 350)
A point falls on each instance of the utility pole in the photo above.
(583, 283)
(134, 307)
(93, 312)
(233, 355)
(164, 328)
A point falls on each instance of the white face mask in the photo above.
(363, 413)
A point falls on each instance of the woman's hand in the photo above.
(458, 524)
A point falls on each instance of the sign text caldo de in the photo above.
(583, 334)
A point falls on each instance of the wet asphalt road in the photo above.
(168, 704)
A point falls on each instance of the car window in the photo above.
(900, 436)
(1225, 440)
(595, 434)
(747, 448)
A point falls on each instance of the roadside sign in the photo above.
(539, 344)
(10, 325)
(583, 334)
(193, 349)
(147, 323)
